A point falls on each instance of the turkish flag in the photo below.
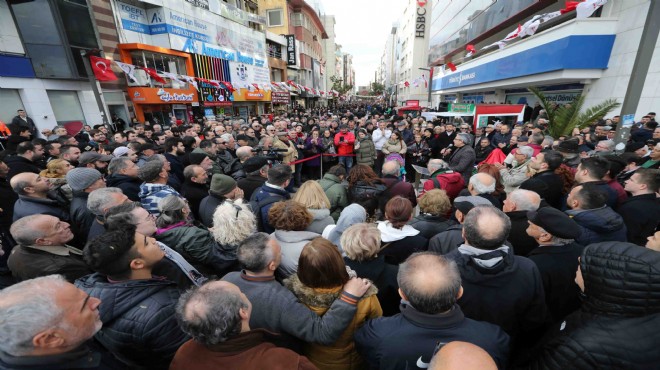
(152, 72)
(451, 66)
(570, 6)
(406, 84)
(101, 69)
(256, 86)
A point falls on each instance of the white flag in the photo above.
(190, 80)
(530, 27)
(587, 8)
(548, 16)
(173, 77)
(129, 69)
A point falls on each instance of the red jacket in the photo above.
(346, 146)
(451, 182)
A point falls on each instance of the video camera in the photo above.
(271, 154)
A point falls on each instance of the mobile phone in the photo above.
(341, 138)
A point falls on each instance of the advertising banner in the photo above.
(291, 55)
(280, 97)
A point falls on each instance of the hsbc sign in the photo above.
(420, 19)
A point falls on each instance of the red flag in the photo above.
(451, 66)
(570, 6)
(256, 86)
(406, 84)
(154, 75)
(471, 48)
(101, 69)
(228, 85)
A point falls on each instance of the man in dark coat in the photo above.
(591, 171)
(461, 157)
(446, 139)
(641, 212)
(545, 164)
(25, 160)
(137, 309)
(597, 220)
(617, 325)
(22, 120)
(516, 206)
(256, 169)
(173, 150)
(273, 190)
(33, 197)
(222, 188)
(557, 259)
(194, 187)
(394, 186)
(450, 239)
(429, 285)
(123, 174)
(82, 181)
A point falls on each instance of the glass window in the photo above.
(78, 24)
(36, 23)
(66, 106)
(274, 17)
(10, 102)
(49, 61)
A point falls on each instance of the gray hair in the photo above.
(24, 231)
(171, 210)
(118, 164)
(233, 222)
(527, 151)
(537, 138)
(243, 153)
(430, 282)
(226, 137)
(26, 309)
(608, 143)
(150, 171)
(482, 236)
(361, 242)
(210, 315)
(548, 141)
(18, 185)
(395, 169)
(437, 164)
(525, 200)
(253, 252)
(189, 171)
(100, 200)
(465, 138)
(480, 187)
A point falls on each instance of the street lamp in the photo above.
(430, 83)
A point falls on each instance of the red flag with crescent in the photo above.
(102, 69)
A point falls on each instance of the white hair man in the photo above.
(516, 206)
(512, 177)
(483, 185)
(442, 177)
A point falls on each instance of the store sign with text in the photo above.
(420, 19)
(291, 55)
(146, 95)
(280, 97)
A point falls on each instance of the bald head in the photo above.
(462, 356)
(522, 200)
(430, 282)
(391, 168)
(481, 183)
(30, 184)
(486, 227)
(244, 153)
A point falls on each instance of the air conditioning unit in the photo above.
(141, 77)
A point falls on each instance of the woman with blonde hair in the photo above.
(361, 249)
(232, 223)
(312, 196)
(434, 207)
(317, 284)
(55, 173)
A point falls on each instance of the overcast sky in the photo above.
(362, 28)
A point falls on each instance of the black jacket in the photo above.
(641, 214)
(8, 198)
(509, 294)
(617, 325)
(81, 217)
(18, 164)
(448, 240)
(554, 194)
(383, 275)
(31, 262)
(407, 340)
(27, 206)
(207, 208)
(397, 251)
(557, 265)
(129, 185)
(139, 326)
(521, 242)
(194, 192)
(176, 166)
(430, 226)
(89, 355)
(249, 184)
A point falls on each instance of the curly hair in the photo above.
(233, 222)
(289, 216)
(567, 178)
(361, 172)
(435, 202)
(398, 211)
(361, 242)
(53, 167)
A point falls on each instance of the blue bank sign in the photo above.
(573, 52)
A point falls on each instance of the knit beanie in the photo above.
(81, 178)
(222, 184)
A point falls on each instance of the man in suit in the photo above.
(22, 120)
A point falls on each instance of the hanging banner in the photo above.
(291, 55)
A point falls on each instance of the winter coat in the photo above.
(329, 148)
(399, 244)
(521, 242)
(366, 152)
(249, 184)
(194, 193)
(262, 194)
(555, 188)
(367, 195)
(617, 325)
(312, 149)
(499, 138)
(462, 161)
(398, 146)
(383, 275)
(599, 225)
(19, 164)
(451, 182)
(641, 213)
(139, 325)
(291, 153)
(395, 186)
(292, 244)
(336, 192)
(207, 207)
(81, 216)
(29, 262)
(408, 340)
(482, 153)
(130, 186)
(509, 294)
(446, 139)
(250, 350)
(28, 206)
(430, 225)
(513, 177)
(341, 354)
(176, 166)
(448, 240)
(321, 220)
(344, 146)
(420, 148)
(198, 247)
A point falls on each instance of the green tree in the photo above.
(339, 85)
(563, 119)
(377, 88)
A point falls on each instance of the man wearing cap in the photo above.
(450, 239)
(569, 150)
(556, 258)
(82, 181)
(344, 142)
(200, 159)
(146, 151)
(222, 188)
(95, 161)
(256, 170)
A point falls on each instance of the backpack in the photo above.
(256, 207)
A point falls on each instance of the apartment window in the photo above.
(274, 17)
(10, 102)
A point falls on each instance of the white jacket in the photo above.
(380, 139)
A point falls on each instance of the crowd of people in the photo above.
(304, 241)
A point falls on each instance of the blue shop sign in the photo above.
(572, 52)
(15, 66)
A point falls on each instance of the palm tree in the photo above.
(563, 119)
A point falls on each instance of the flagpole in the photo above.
(96, 87)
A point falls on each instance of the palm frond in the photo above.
(597, 112)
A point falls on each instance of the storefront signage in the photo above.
(420, 20)
(167, 97)
(291, 55)
(204, 4)
(280, 97)
(147, 95)
(461, 108)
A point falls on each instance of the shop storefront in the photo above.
(157, 102)
(280, 101)
(250, 98)
(214, 99)
(249, 102)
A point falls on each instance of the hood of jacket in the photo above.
(119, 298)
(479, 267)
(601, 220)
(331, 177)
(621, 279)
(448, 175)
(319, 214)
(390, 234)
(294, 236)
(318, 297)
(351, 215)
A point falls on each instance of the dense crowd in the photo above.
(350, 238)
